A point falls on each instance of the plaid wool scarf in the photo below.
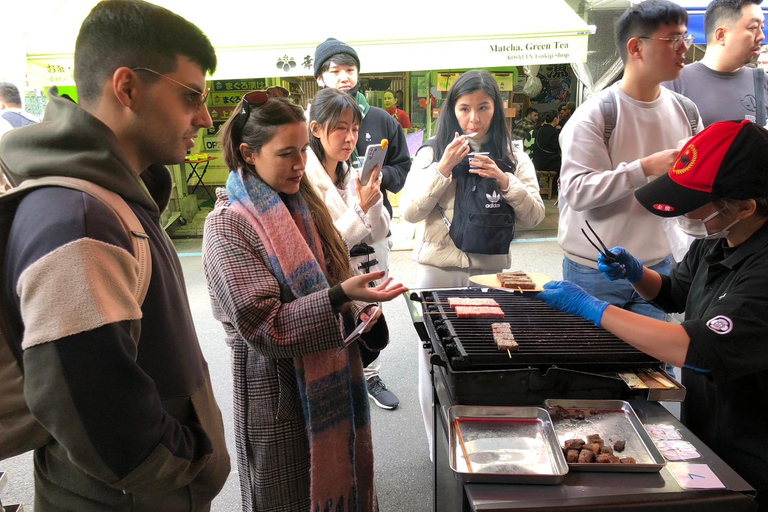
(332, 388)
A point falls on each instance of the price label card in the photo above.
(695, 476)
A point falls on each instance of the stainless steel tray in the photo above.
(614, 420)
(504, 445)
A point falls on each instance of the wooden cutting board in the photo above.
(491, 281)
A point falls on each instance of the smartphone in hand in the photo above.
(374, 154)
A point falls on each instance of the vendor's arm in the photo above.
(588, 178)
(665, 341)
(248, 294)
(423, 188)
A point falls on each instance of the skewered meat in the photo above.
(466, 301)
(503, 337)
(479, 312)
(516, 279)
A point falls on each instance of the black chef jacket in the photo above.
(724, 293)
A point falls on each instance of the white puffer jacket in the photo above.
(349, 223)
(425, 188)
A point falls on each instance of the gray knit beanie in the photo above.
(328, 49)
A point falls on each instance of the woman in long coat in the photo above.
(279, 279)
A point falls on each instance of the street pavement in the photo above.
(403, 470)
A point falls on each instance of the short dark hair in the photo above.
(134, 33)
(724, 11)
(530, 111)
(9, 93)
(327, 108)
(340, 59)
(550, 115)
(500, 140)
(644, 19)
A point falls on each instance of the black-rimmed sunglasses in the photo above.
(255, 99)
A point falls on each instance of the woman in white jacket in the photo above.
(471, 119)
(357, 210)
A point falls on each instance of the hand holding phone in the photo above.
(374, 154)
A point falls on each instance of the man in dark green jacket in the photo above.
(122, 388)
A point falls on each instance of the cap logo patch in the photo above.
(663, 207)
(720, 324)
(685, 160)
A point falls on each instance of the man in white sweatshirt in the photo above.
(598, 179)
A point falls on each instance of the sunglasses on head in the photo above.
(257, 98)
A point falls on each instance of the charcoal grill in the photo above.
(560, 355)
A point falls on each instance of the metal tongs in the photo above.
(608, 255)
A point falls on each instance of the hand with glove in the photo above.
(624, 266)
(571, 298)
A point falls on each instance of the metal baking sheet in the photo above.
(613, 420)
(504, 445)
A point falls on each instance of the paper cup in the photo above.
(472, 155)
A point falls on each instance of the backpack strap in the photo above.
(608, 109)
(119, 207)
(691, 112)
(759, 76)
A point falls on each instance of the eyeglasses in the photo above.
(197, 101)
(677, 41)
(256, 99)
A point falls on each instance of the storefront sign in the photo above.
(51, 71)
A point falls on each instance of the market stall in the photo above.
(562, 363)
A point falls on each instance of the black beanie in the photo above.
(328, 49)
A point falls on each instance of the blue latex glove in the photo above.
(625, 266)
(571, 298)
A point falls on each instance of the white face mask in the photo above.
(697, 228)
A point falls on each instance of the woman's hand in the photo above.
(356, 288)
(366, 314)
(454, 153)
(370, 193)
(487, 168)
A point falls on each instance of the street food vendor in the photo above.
(717, 190)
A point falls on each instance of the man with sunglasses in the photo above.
(337, 65)
(720, 84)
(121, 386)
(600, 170)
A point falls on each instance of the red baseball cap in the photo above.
(727, 159)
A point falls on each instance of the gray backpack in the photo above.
(19, 430)
(608, 108)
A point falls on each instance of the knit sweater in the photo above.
(597, 182)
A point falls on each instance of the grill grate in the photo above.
(546, 337)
